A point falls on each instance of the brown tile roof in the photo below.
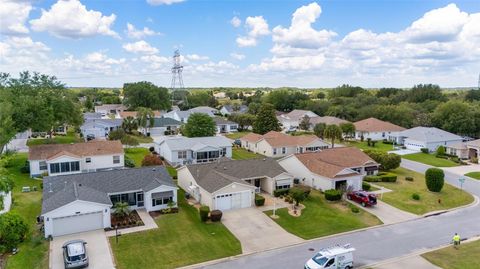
(376, 125)
(125, 114)
(330, 162)
(44, 152)
(251, 137)
(277, 139)
(328, 120)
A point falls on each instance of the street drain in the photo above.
(311, 249)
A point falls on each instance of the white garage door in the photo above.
(234, 200)
(77, 223)
(156, 131)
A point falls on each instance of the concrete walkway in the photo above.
(416, 262)
(147, 220)
(256, 231)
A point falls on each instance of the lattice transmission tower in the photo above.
(177, 86)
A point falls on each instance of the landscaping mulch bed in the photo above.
(156, 214)
(132, 220)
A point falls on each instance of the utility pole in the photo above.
(177, 79)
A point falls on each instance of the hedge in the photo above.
(416, 196)
(216, 215)
(409, 178)
(278, 193)
(424, 150)
(366, 186)
(204, 210)
(333, 195)
(259, 200)
(381, 177)
(434, 178)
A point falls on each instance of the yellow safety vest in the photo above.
(456, 238)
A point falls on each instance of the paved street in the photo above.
(377, 244)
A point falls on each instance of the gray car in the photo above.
(75, 254)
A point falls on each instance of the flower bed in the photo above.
(131, 220)
(156, 214)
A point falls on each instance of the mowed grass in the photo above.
(237, 135)
(321, 218)
(364, 146)
(475, 175)
(33, 252)
(181, 239)
(429, 159)
(70, 137)
(465, 257)
(243, 154)
(136, 154)
(401, 197)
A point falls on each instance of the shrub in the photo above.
(387, 161)
(216, 215)
(306, 189)
(151, 149)
(129, 162)
(204, 210)
(355, 209)
(385, 141)
(298, 195)
(25, 169)
(416, 196)
(259, 200)
(424, 150)
(409, 178)
(474, 160)
(333, 195)
(277, 193)
(116, 135)
(13, 230)
(129, 140)
(366, 186)
(434, 178)
(296, 181)
(440, 151)
(150, 160)
(381, 177)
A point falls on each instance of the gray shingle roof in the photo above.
(95, 187)
(216, 175)
(220, 120)
(163, 122)
(429, 134)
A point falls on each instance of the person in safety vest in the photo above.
(456, 240)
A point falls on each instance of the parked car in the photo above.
(337, 257)
(75, 254)
(237, 142)
(362, 197)
(90, 137)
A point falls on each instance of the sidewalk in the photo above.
(147, 220)
(416, 262)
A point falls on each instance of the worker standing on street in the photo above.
(456, 240)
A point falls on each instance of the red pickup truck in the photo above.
(362, 197)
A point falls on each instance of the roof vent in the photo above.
(153, 169)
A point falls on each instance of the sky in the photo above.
(244, 43)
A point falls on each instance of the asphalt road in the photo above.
(377, 244)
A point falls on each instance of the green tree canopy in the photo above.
(319, 129)
(304, 123)
(348, 129)
(146, 94)
(199, 125)
(266, 120)
(332, 132)
(456, 117)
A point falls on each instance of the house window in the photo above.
(43, 165)
(161, 201)
(357, 169)
(54, 168)
(129, 198)
(88, 160)
(224, 152)
(383, 134)
(64, 167)
(284, 150)
(233, 127)
(274, 151)
(182, 154)
(116, 159)
(281, 187)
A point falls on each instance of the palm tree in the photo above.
(333, 132)
(122, 209)
(129, 124)
(145, 118)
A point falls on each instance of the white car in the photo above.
(337, 257)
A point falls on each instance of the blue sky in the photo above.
(366, 43)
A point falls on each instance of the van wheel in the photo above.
(348, 267)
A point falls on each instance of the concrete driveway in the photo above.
(463, 169)
(387, 213)
(98, 250)
(256, 231)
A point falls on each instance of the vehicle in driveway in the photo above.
(336, 257)
(362, 197)
(75, 254)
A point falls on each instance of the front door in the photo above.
(140, 202)
(257, 182)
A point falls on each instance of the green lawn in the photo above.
(141, 138)
(33, 252)
(475, 175)
(136, 154)
(237, 135)
(321, 218)
(429, 159)
(466, 257)
(243, 154)
(363, 145)
(71, 137)
(172, 171)
(181, 239)
(401, 197)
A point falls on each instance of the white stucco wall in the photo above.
(376, 135)
(148, 198)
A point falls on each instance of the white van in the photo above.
(337, 257)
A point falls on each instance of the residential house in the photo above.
(161, 126)
(328, 120)
(233, 109)
(427, 137)
(276, 144)
(225, 126)
(334, 168)
(63, 159)
(229, 184)
(99, 128)
(376, 129)
(110, 110)
(182, 115)
(133, 114)
(83, 202)
(180, 150)
(91, 116)
(290, 121)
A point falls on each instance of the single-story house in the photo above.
(291, 120)
(464, 150)
(180, 150)
(99, 128)
(133, 114)
(63, 159)
(224, 125)
(182, 115)
(83, 202)
(229, 184)
(328, 120)
(376, 129)
(276, 144)
(335, 168)
(427, 137)
(110, 110)
(161, 126)
(233, 109)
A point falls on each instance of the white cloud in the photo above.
(13, 15)
(18, 53)
(95, 62)
(140, 47)
(256, 27)
(135, 33)
(237, 56)
(71, 19)
(163, 2)
(236, 22)
(212, 68)
(196, 57)
(157, 62)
